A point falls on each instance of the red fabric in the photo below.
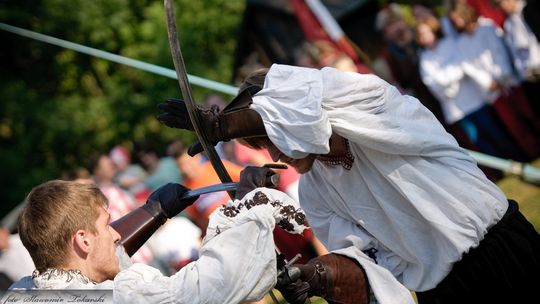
(514, 110)
(314, 31)
(292, 244)
(488, 10)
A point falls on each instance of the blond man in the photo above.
(66, 228)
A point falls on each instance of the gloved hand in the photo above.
(169, 196)
(333, 277)
(235, 121)
(253, 177)
(175, 115)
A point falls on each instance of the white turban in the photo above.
(290, 107)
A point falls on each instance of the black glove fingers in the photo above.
(195, 149)
(177, 104)
(173, 121)
(174, 107)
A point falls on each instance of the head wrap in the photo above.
(290, 105)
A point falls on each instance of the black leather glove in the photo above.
(253, 177)
(175, 115)
(336, 278)
(169, 196)
(235, 121)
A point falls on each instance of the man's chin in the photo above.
(112, 274)
(301, 170)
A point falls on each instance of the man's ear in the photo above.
(82, 242)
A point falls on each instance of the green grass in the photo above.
(526, 195)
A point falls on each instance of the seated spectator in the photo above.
(129, 176)
(161, 169)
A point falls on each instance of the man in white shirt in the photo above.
(66, 228)
(521, 41)
(382, 184)
(524, 47)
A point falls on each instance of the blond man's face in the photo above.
(102, 255)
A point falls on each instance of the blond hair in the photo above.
(53, 212)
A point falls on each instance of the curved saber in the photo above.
(188, 98)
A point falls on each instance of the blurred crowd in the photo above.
(474, 63)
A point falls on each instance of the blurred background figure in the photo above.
(15, 261)
(467, 115)
(129, 176)
(161, 169)
(176, 244)
(400, 52)
(524, 48)
(79, 174)
(198, 172)
(121, 202)
(103, 172)
(486, 60)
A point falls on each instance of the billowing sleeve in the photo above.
(372, 113)
(237, 260)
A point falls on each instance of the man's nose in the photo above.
(116, 236)
(274, 154)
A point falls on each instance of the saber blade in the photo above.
(210, 189)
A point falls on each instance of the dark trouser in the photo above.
(504, 268)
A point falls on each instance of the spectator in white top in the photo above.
(486, 60)
(462, 100)
(521, 41)
(524, 47)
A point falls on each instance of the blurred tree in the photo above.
(59, 107)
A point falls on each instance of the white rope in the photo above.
(152, 68)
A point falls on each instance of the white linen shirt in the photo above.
(412, 193)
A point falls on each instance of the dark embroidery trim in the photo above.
(55, 273)
(289, 213)
(345, 161)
